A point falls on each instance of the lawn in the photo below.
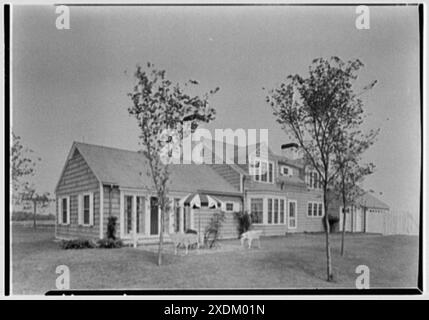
(295, 261)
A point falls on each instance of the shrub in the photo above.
(212, 231)
(333, 222)
(111, 227)
(109, 243)
(77, 244)
(191, 231)
(244, 222)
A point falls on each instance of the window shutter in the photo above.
(60, 211)
(91, 209)
(80, 209)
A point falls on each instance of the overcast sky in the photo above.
(72, 85)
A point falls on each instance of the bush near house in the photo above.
(244, 222)
(78, 244)
(90, 244)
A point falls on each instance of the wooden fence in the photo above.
(400, 222)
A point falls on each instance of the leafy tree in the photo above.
(163, 111)
(38, 200)
(22, 167)
(316, 110)
(348, 155)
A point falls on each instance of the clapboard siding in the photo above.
(78, 178)
(202, 218)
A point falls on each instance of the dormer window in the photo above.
(286, 171)
(262, 170)
(313, 180)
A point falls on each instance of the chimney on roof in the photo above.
(290, 150)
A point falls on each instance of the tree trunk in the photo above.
(161, 237)
(344, 223)
(34, 214)
(328, 246)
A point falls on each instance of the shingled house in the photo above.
(279, 192)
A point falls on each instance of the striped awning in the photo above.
(198, 200)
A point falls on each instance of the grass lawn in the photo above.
(295, 261)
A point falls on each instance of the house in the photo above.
(280, 193)
(366, 215)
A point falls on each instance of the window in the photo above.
(276, 210)
(86, 209)
(64, 210)
(313, 180)
(177, 215)
(229, 206)
(256, 210)
(286, 171)
(315, 209)
(270, 172)
(128, 214)
(140, 214)
(270, 211)
(262, 170)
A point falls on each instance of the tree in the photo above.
(22, 167)
(37, 200)
(348, 154)
(316, 110)
(22, 164)
(164, 111)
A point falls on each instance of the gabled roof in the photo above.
(129, 169)
(369, 201)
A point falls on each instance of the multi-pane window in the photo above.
(65, 209)
(276, 210)
(177, 215)
(256, 210)
(313, 180)
(86, 209)
(229, 206)
(262, 170)
(315, 209)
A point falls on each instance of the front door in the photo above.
(154, 214)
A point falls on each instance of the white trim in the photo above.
(91, 209)
(101, 213)
(289, 169)
(60, 221)
(296, 214)
(226, 206)
(121, 213)
(318, 203)
(253, 170)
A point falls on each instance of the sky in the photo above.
(72, 85)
